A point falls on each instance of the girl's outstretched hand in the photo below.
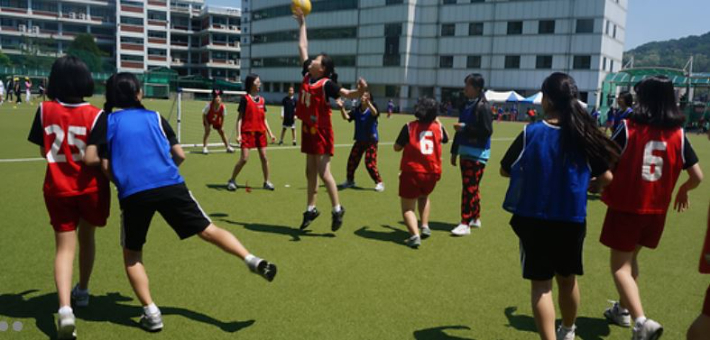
(298, 15)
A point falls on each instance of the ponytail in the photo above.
(579, 131)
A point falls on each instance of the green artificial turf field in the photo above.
(361, 283)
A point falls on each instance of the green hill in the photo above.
(673, 53)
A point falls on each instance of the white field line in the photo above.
(271, 148)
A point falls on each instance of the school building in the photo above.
(412, 48)
(136, 35)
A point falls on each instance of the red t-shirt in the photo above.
(253, 119)
(313, 107)
(648, 170)
(423, 150)
(66, 131)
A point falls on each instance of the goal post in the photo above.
(186, 115)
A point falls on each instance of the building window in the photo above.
(515, 27)
(446, 61)
(475, 28)
(393, 30)
(604, 64)
(582, 62)
(394, 2)
(607, 29)
(611, 65)
(614, 32)
(129, 57)
(512, 61)
(391, 91)
(449, 2)
(473, 61)
(448, 30)
(585, 26)
(132, 21)
(158, 52)
(546, 27)
(132, 40)
(391, 60)
(543, 62)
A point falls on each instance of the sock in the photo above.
(337, 208)
(311, 208)
(425, 226)
(640, 320)
(151, 309)
(65, 310)
(251, 261)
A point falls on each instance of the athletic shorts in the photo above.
(624, 231)
(252, 140)
(289, 123)
(549, 248)
(706, 305)
(217, 125)
(317, 141)
(65, 212)
(416, 184)
(175, 203)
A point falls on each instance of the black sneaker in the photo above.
(308, 217)
(338, 219)
(281, 142)
(266, 269)
(294, 143)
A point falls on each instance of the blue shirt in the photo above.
(619, 116)
(365, 125)
(139, 151)
(547, 182)
(474, 149)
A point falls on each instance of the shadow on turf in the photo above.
(223, 187)
(295, 233)
(587, 328)
(437, 333)
(394, 235)
(104, 308)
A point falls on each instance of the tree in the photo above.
(84, 47)
(5, 60)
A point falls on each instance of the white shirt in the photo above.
(2, 87)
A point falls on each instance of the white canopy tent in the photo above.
(503, 97)
(536, 99)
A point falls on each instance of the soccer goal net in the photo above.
(186, 117)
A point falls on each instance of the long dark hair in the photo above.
(249, 82)
(627, 98)
(216, 93)
(426, 110)
(70, 78)
(329, 67)
(579, 131)
(122, 91)
(657, 104)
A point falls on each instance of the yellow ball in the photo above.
(304, 5)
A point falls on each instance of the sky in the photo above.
(647, 20)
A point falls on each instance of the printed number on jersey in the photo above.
(652, 168)
(306, 98)
(426, 142)
(53, 155)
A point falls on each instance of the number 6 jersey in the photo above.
(63, 130)
(422, 147)
(651, 161)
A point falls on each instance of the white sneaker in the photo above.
(80, 298)
(425, 232)
(205, 151)
(564, 333)
(230, 149)
(231, 185)
(475, 223)
(380, 187)
(461, 230)
(152, 322)
(66, 326)
(414, 241)
(650, 330)
(617, 315)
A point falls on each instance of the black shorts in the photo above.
(549, 248)
(175, 203)
(288, 122)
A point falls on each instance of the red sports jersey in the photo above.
(423, 152)
(253, 120)
(66, 131)
(313, 106)
(705, 255)
(215, 117)
(648, 170)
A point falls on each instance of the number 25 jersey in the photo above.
(66, 131)
(650, 164)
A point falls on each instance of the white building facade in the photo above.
(412, 48)
(138, 35)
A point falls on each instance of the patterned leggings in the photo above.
(370, 151)
(471, 174)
